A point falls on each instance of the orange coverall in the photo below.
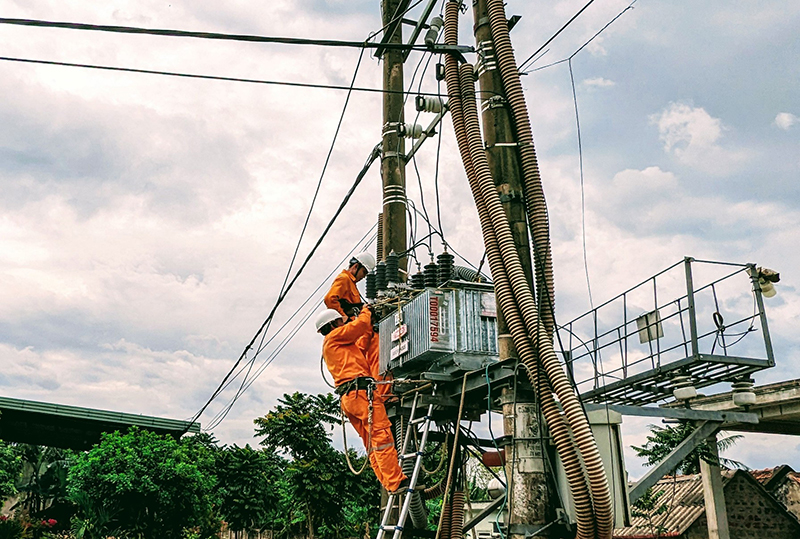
(346, 361)
(343, 287)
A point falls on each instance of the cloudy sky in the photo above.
(147, 222)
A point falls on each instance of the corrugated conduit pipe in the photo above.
(537, 216)
(520, 301)
(457, 515)
(555, 421)
(534, 193)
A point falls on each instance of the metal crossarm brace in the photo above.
(678, 413)
(483, 514)
(702, 432)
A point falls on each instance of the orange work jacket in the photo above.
(345, 360)
(343, 287)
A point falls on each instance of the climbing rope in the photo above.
(370, 394)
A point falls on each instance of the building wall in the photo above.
(788, 493)
(751, 515)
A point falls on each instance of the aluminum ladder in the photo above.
(425, 421)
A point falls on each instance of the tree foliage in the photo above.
(145, 485)
(247, 486)
(662, 440)
(318, 495)
(10, 469)
(43, 484)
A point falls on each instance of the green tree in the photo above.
(649, 506)
(144, 485)
(10, 469)
(43, 484)
(662, 440)
(318, 496)
(247, 486)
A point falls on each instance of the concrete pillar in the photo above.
(716, 513)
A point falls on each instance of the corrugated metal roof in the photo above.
(77, 412)
(683, 498)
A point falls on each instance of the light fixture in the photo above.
(766, 280)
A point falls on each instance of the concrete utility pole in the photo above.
(527, 487)
(713, 495)
(393, 149)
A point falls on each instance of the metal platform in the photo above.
(700, 322)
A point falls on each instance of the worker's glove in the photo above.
(351, 310)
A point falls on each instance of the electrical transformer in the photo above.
(441, 330)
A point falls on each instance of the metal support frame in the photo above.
(474, 521)
(687, 265)
(671, 461)
(644, 374)
(678, 413)
(420, 24)
(762, 315)
(428, 132)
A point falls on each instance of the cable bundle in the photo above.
(530, 332)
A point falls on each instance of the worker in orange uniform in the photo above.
(343, 295)
(351, 376)
(370, 345)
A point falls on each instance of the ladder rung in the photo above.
(419, 420)
(391, 528)
(409, 455)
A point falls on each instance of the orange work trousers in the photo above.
(382, 454)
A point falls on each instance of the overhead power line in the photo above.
(586, 43)
(376, 152)
(249, 380)
(546, 43)
(218, 36)
(457, 49)
(207, 77)
(305, 223)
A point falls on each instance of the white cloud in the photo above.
(785, 120)
(598, 82)
(135, 307)
(682, 126)
(693, 136)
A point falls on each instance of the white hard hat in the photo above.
(325, 317)
(366, 260)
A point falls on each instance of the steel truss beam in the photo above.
(677, 413)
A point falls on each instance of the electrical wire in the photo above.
(222, 414)
(583, 190)
(310, 210)
(522, 65)
(215, 35)
(284, 288)
(311, 296)
(373, 156)
(436, 168)
(206, 77)
(603, 29)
